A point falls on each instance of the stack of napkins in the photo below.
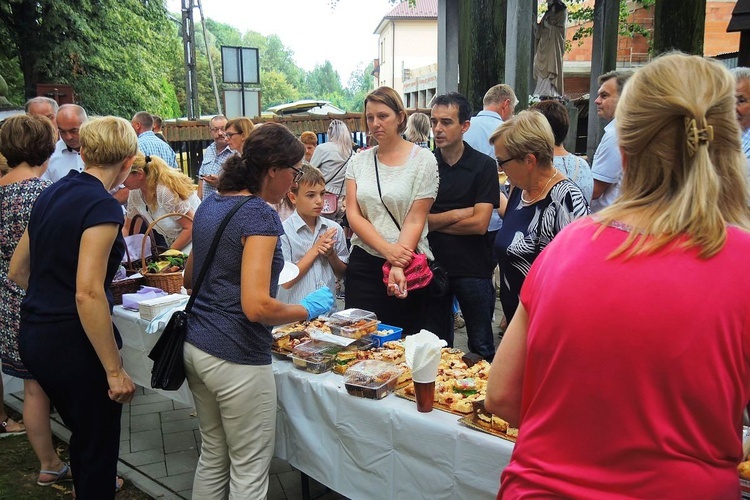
(132, 300)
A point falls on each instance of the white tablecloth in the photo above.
(136, 344)
(361, 448)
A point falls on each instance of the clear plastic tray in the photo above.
(349, 316)
(372, 379)
(314, 356)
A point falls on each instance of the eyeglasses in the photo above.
(229, 135)
(500, 162)
(217, 129)
(297, 174)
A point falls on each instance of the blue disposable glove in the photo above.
(318, 302)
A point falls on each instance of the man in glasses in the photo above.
(214, 157)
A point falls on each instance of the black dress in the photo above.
(52, 342)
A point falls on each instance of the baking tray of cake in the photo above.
(468, 421)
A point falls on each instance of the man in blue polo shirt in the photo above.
(148, 143)
(458, 220)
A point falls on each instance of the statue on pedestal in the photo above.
(549, 50)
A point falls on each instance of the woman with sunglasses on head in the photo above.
(156, 190)
(394, 180)
(542, 200)
(227, 350)
(627, 365)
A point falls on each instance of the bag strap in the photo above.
(212, 251)
(380, 193)
(575, 174)
(337, 173)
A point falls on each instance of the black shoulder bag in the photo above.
(168, 372)
(439, 285)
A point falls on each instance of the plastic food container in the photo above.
(371, 379)
(353, 323)
(385, 333)
(314, 356)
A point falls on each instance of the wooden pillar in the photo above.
(743, 58)
(519, 49)
(448, 21)
(603, 59)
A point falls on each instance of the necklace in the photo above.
(529, 202)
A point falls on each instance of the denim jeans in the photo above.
(477, 300)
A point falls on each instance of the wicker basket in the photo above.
(169, 282)
(121, 287)
(130, 263)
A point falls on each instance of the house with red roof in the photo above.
(407, 43)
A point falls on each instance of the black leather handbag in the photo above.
(168, 373)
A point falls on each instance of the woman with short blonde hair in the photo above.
(632, 332)
(65, 261)
(541, 202)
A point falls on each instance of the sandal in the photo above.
(60, 476)
(5, 432)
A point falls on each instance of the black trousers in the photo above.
(63, 361)
(365, 289)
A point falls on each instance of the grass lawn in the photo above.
(19, 469)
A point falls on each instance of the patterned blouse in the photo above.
(16, 201)
(527, 230)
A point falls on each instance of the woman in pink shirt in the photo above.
(627, 363)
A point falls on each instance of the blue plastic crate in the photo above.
(379, 340)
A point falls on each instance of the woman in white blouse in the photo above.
(408, 180)
(157, 189)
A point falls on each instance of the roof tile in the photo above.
(423, 8)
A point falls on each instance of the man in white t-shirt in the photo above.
(607, 165)
(67, 154)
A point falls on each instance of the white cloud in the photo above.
(310, 28)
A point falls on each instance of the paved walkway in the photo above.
(160, 441)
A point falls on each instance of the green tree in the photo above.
(322, 81)
(679, 25)
(276, 89)
(481, 50)
(117, 55)
(360, 84)
(577, 12)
